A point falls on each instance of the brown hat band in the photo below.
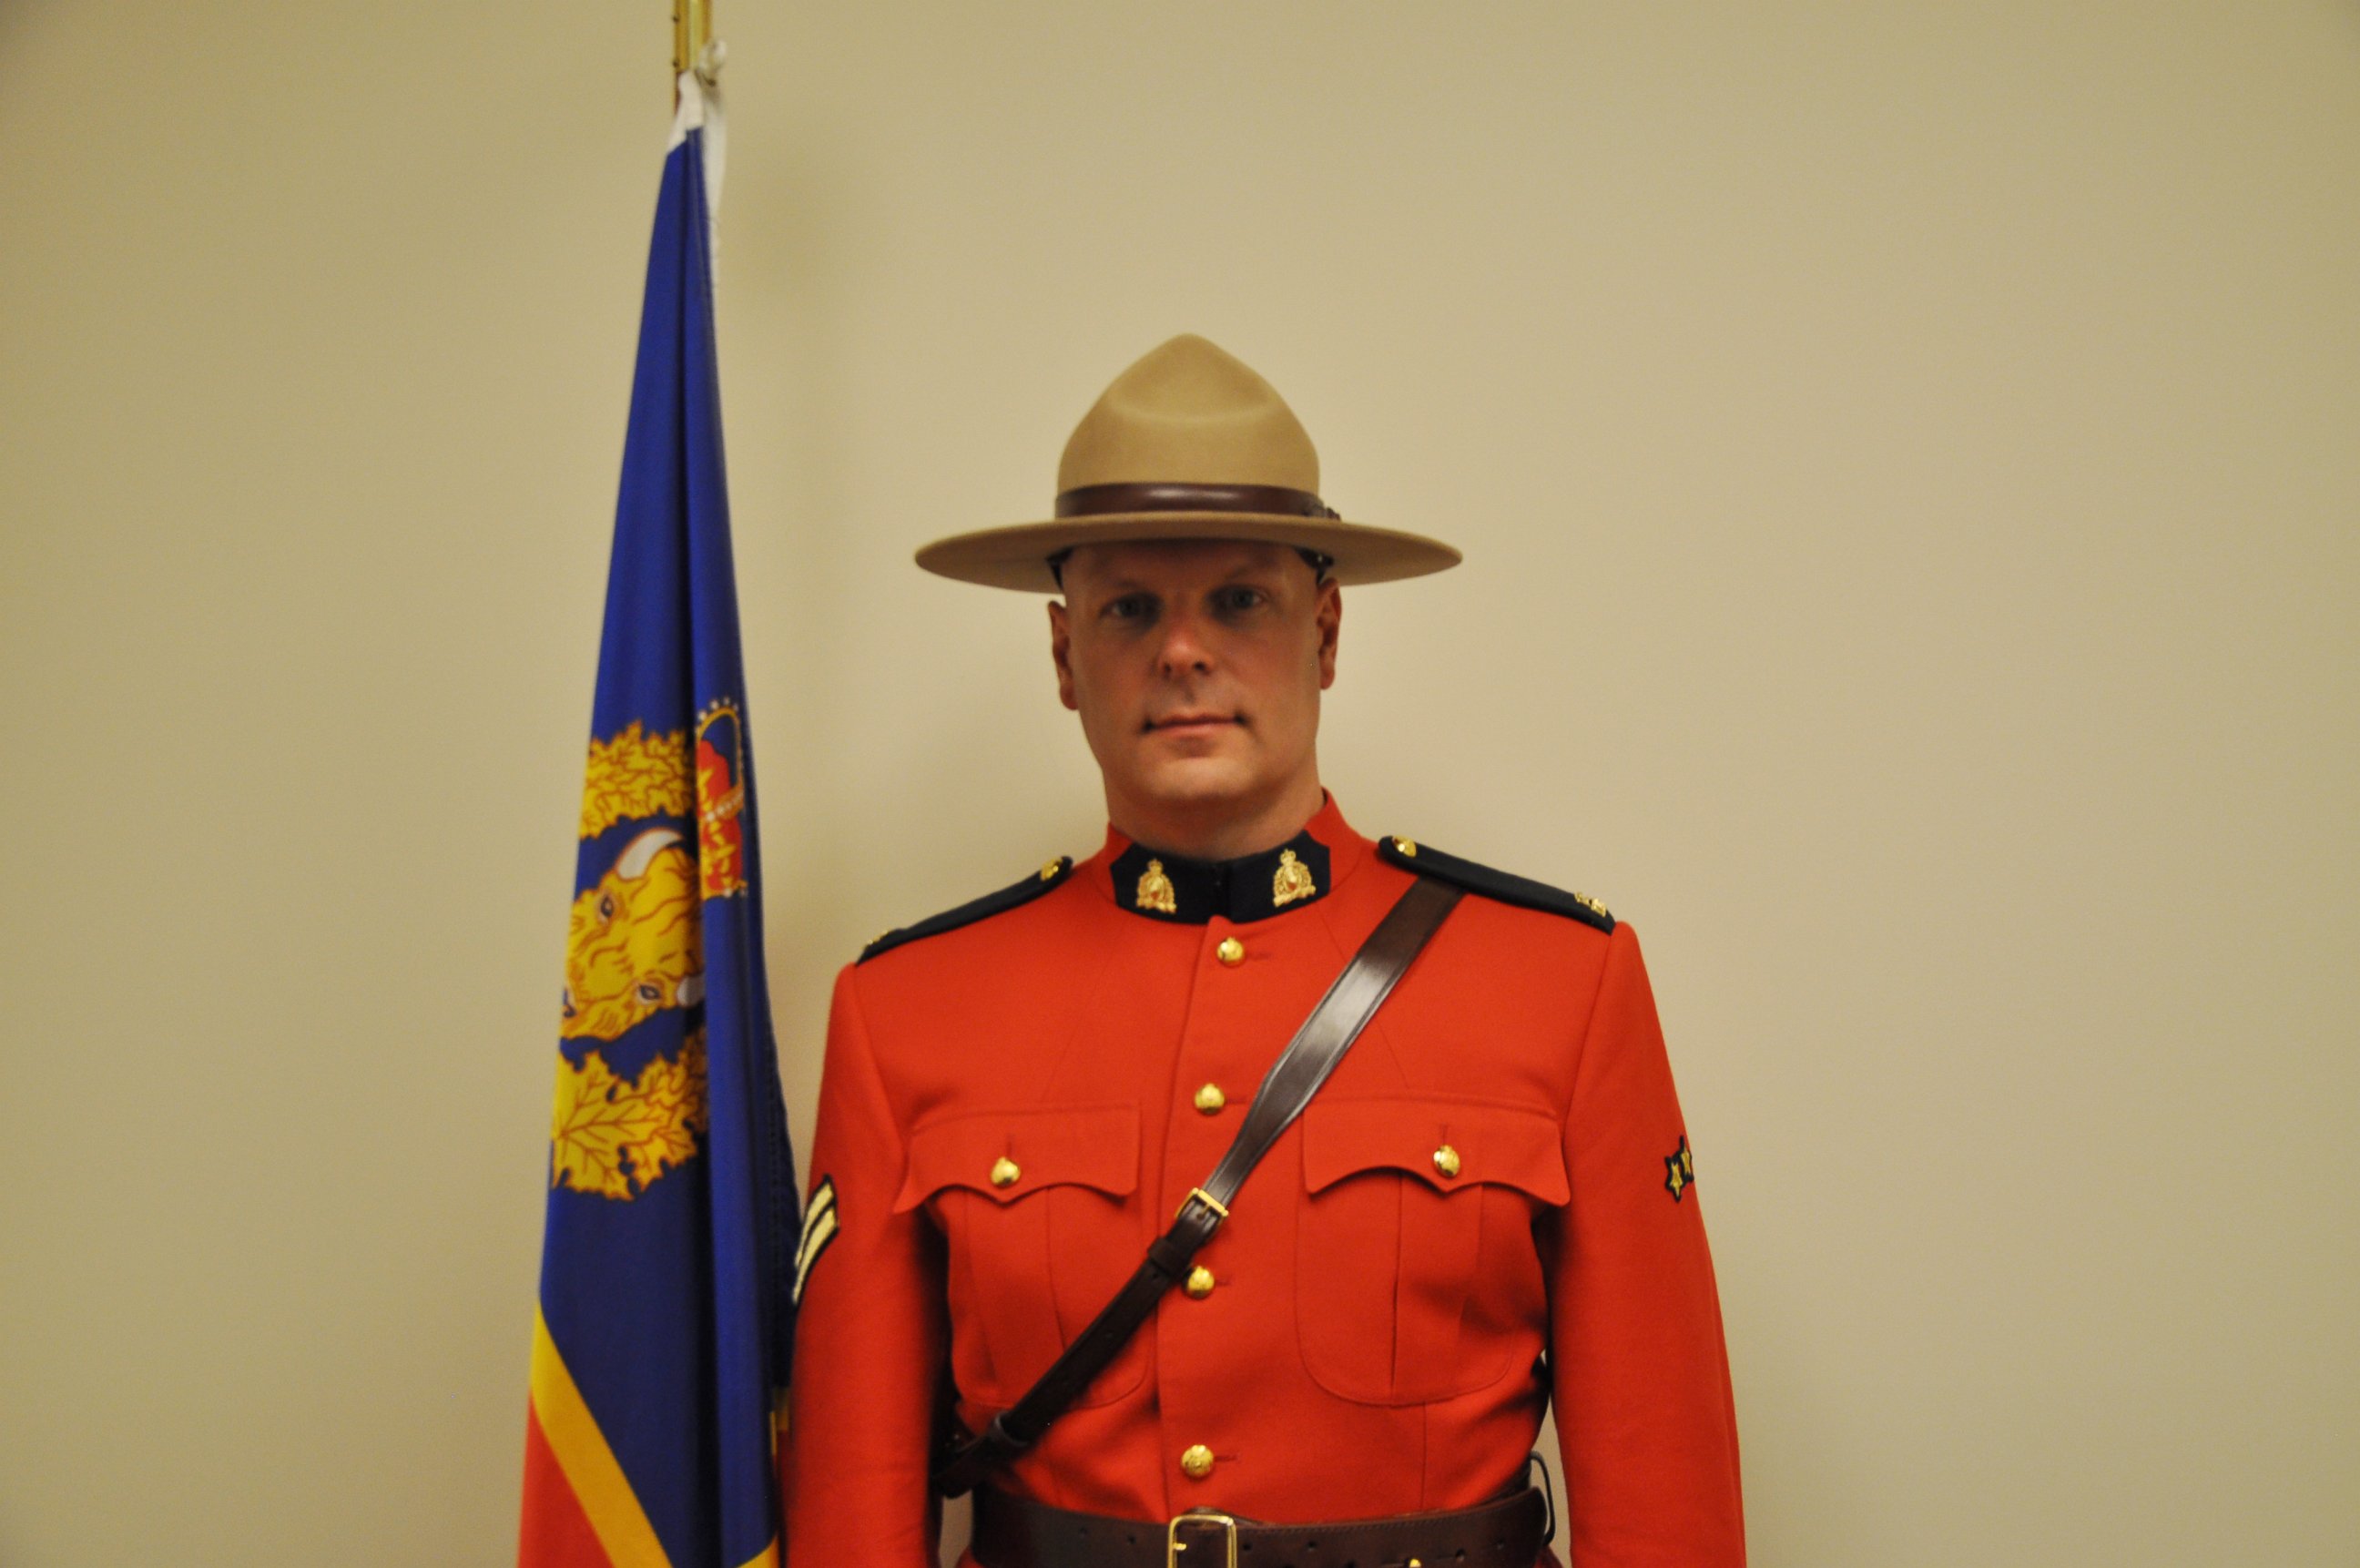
(1098, 500)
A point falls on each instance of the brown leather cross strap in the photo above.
(1352, 1001)
(1506, 1532)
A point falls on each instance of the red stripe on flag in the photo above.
(557, 1533)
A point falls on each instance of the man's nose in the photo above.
(1186, 649)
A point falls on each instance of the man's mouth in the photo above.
(1182, 723)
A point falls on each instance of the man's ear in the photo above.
(1061, 654)
(1331, 617)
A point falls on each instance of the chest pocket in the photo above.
(1418, 1275)
(1036, 1206)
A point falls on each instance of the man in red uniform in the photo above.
(1487, 1208)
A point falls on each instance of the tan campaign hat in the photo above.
(1187, 444)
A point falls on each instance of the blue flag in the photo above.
(663, 1333)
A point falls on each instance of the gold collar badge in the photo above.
(1155, 890)
(1293, 881)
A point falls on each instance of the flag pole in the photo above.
(692, 30)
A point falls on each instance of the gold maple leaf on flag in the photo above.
(635, 774)
(614, 1138)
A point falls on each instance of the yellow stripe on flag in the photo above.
(769, 1559)
(598, 1483)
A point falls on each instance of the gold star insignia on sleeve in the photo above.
(1679, 1170)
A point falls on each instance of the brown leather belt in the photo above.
(1507, 1533)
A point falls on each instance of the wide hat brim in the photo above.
(1017, 556)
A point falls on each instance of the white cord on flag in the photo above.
(700, 109)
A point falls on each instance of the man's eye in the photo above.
(1129, 606)
(1234, 601)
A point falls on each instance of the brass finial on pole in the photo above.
(692, 30)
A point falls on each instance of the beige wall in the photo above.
(1909, 465)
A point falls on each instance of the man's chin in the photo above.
(1198, 783)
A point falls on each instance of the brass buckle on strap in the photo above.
(1174, 1546)
(1198, 1195)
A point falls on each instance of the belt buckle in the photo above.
(1174, 1546)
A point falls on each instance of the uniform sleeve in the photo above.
(870, 1332)
(1640, 1377)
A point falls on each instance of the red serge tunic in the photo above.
(1011, 1109)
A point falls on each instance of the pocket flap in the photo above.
(1502, 1144)
(1089, 1146)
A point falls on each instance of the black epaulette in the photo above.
(1412, 856)
(967, 913)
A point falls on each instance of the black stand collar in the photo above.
(1164, 886)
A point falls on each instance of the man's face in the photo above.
(1196, 666)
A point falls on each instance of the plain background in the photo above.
(1908, 459)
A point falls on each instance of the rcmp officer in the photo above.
(1486, 1208)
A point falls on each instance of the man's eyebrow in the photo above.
(1121, 584)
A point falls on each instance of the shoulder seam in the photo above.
(1015, 894)
(1505, 886)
